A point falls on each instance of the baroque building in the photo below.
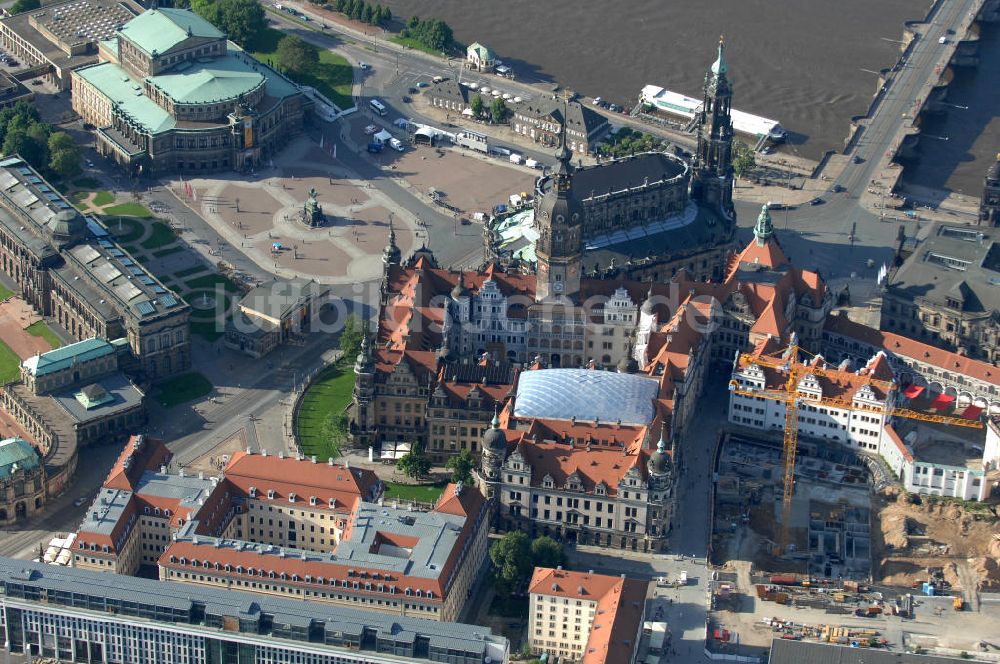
(172, 94)
(68, 267)
(645, 217)
(944, 293)
(288, 527)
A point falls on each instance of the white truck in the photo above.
(515, 158)
(473, 140)
(531, 163)
(396, 144)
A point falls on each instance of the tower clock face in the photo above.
(557, 287)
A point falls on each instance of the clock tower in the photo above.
(559, 219)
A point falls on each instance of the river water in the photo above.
(800, 62)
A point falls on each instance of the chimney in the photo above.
(281, 454)
(249, 450)
(263, 452)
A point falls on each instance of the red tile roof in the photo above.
(835, 383)
(133, 462)
(618, 616)
(469, 504)
(901, 346)
(304, 478)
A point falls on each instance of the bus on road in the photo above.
(378, 107)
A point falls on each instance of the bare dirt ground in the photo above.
(469, 183)
(212, 462)
(908, 538)
(15, 315)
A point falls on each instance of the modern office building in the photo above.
(172, 94)
(585, 617)
(68, 267)
(77, 615)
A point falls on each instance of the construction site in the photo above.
(848, 572)
(840, 516)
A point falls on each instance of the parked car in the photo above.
(423, 84)
(837, 188)
(406, 99)
(363, 65)
(370, 129)
(598, 101)
(817, 201)
(79, 501)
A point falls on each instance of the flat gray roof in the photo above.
(960, 263)
(127, 593)
(784, 651)
(124, 396)
(586, 395)
(436, 535)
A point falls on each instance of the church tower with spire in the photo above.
(559, 218)
(712, 180)
(363, 423)
(763, 230)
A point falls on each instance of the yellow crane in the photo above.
(791, 430)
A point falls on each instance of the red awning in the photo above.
(913, 391)
(972, 412)
(942, 401)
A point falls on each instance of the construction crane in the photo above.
(791, 430)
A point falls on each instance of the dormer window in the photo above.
(312, 500)
(270, 494)
(253, 492)
(333, 503)
(291, 497)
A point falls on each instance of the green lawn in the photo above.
(209, 281)
(425, 493)
(5, 293)
(131, 229)
(160, 236)
(189, 271)
(41, 329)
(328, 395)
(183, 388)
(10, 364)
(129, 210)
(332, 77)
(103, 198)
(86, 183)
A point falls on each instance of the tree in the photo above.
(350, 337)
(546, 552)
(335, 432)
(64, 155)
(366, 13)
(341, 6)
(386, 14)
(744, 159)
(244, 21)
(498, 110)
(297, 55)
(477, 105)
(24, 6)
(511, 558)
(414, 464)
(461, 466)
